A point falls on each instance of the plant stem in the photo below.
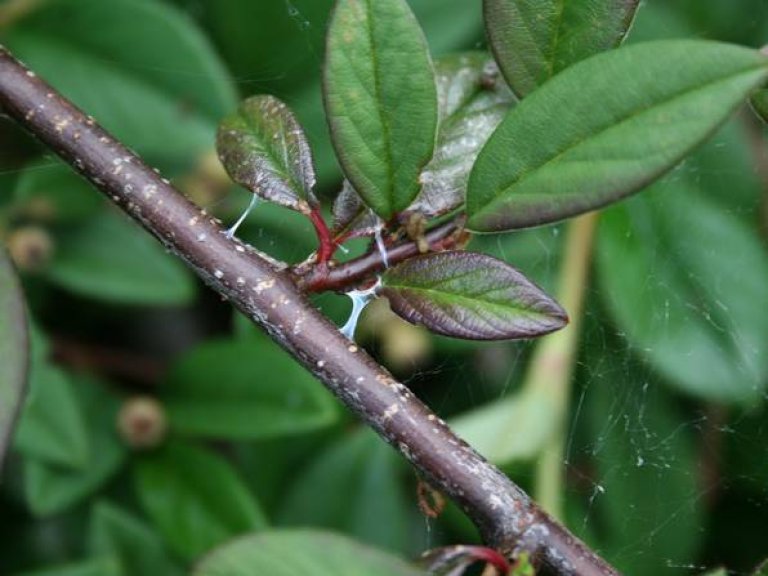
(506, 517)
(552, 365)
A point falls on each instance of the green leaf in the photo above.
(51, 489)
(66, 194)
(381, 100)
(244, 389)
(606, 128)
(264, 149)
(471, 296)
(98, 567)
(473, 100)
(760, 104)
(310, 553)
(692, 312)
(511, 429)
(110, 258)
(135, 547)
(353, 481)
(533, 40)
(167, 109)
(195, 498)
(14, 351)
(52, 427)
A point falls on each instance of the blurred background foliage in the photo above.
(159, 424)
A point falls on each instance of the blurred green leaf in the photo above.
(98, 567)
(195, 498)
(264, 149)
(139, 66)
(588, 156)
(305, 552)
(51, 489)
(760, 104)
(449, 25)
(533, 40)
(14, 351)
(693, 313)
(52, 427)
(718, 572)
(69, 197)
(471, 296)
(381, 100)
(354, 487)
(135, 547)
(110, 258)
(244, 388)
(472, 103)
(511, 429)
(645, 504)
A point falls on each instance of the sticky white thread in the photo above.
(360, 299)
(231, 232)
(380, 245)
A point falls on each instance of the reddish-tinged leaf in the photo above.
(264, 149)
(471, 296)
(350, 214)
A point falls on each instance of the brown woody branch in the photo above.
(505, 515)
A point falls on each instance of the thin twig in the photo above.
(506, 517)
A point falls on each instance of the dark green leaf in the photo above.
(162, 92)
(264, 149)
(66, 194)
(14, 351)
(52, 427)
(99, 567)
(50, 488)
(381, 100)
(110, 258)
(195, 498)
(605, 128)
(310, 553)
(693, 312)
(470, 296)
(348, 485)
(245, 388)
(760, 104)
(473, 101)
(535, 39)
(135, 547)
(449, 25)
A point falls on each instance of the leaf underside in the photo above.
(471, 296)
(605, 128)
(264, 149)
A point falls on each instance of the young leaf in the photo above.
(109, 258)
(350, 214)
(605, 128)
(471, 296)
(692, 312)
(264, 149)
(14, 351)
(535, 39)
(50, 488)
(473, 101)
(306, 552)
(380, 100)
(195, 498)
(211, 392)
(133, 545)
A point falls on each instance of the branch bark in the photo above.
(505, 515)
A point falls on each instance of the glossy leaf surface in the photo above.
(244, 389)
(470, 296)
(473, 100)
(692, 313)
(535, 39)
(14, 351)
(605, 128)
(195, 498)
(381, 100)
(264, 149)
(291, 552)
